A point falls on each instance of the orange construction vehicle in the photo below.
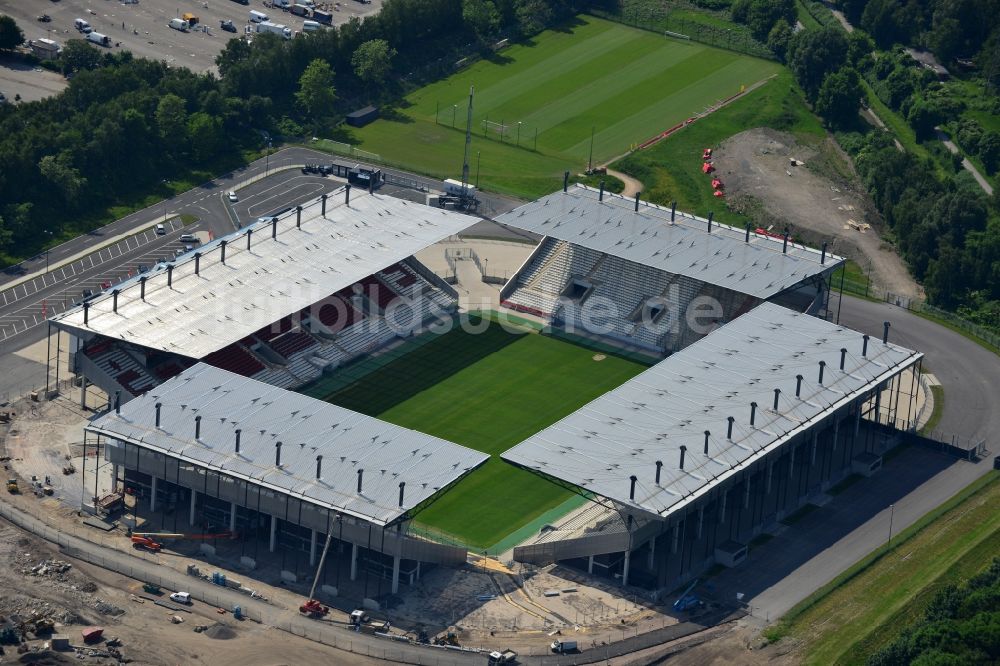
(313, 608)
(147, 543)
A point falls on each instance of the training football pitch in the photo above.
(623, 83)
(488, 391)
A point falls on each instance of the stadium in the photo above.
(309, 391)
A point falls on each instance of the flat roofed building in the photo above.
(709, 425)
(232, 444)
(740, 260)
(270, 269)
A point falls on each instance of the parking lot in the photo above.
(142, 27)
(66, 285)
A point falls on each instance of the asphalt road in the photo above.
(968, 373)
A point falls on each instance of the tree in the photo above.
(316, 92)
(372, 61)
(205, 135)
(779, 37)
(532, 15)
(171, 119)
(859, 50)
(812, 54)
(11, 35)
(763, 14)
(839, 96)
(78, 56)
(482, 16)
(58, 169)
(923, 117)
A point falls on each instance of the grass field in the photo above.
(671, 170)
(627, 84)
(487, 391)
(866, 607)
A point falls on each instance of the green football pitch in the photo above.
(623, 83)
(488, 391)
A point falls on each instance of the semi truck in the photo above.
(276, 28)
(299, 10)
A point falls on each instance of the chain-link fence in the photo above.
(987, 337)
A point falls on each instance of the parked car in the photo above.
(160, 230)
(143, 268)
(45, 18)
(232, 197)
(181, 597)
(188, 238)
(106, 284)
(227, 25)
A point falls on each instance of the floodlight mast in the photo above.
(468, 147)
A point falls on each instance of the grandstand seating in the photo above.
(376, 292)
(338, 330)
(289, 343)
(121, 366)
(541, 284)
(235, 359)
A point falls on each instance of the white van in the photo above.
(179, 24)
(311, 26)
(257, 17)
(281, 4)
(82, 26)
(99, 39)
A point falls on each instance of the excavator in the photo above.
(148, 540)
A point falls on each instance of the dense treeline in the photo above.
(125, 124)
(949, 28)
(119, 127)
(960, 626)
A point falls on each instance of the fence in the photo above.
(988, 338)
(661, 20)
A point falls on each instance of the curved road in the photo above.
(968, 372)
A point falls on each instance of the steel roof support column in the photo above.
(191, 510)
(152, 495)
(274, 534)
(354, 556)
(232, 516)
(312, 548)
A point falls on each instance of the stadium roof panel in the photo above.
(214, 304)
(647, 419)
(306, 427)
(724, 257)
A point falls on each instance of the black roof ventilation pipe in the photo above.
(885, 332)
(158, 406)
(565, 181)
(683, 451)
(277, 454)
(361, 474)
(659, 466)
(631, 491)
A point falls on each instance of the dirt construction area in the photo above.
(762, 181)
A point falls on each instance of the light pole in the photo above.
(267, 157)
(167, 183)
(590, 160)
(49, 234)
(479, 155)
(518, 133)
(892, 510)
(454, 109)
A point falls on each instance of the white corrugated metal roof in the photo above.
(306, 427)
(223, 303)
(685, 247)
(624, 432)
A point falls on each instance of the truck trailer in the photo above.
(276, 28)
